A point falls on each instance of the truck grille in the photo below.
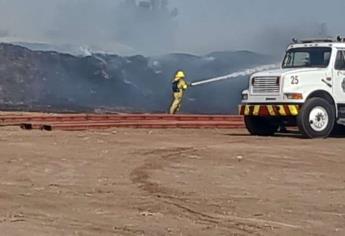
(266, 85)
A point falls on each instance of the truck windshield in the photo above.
(307, 57)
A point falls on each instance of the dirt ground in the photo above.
(169, 182)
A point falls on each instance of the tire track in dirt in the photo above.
(163, 158)
(55, 222)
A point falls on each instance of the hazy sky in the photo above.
(201, 26)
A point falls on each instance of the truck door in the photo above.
(339, 81)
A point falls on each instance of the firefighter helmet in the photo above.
(180, 74)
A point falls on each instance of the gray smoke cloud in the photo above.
(162, 26)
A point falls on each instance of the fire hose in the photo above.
(235, 75)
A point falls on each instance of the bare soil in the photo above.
(169, 182)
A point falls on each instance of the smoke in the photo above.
(4, 33)
(264, 26)
(274, 39)
(112, 26)
(161, 26)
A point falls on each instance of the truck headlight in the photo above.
(244, 96)
(294, 96)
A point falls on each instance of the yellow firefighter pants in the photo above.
(176, 103)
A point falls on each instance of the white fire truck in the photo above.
(308, 90)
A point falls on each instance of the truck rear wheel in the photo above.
(260, 126)
(316, 118)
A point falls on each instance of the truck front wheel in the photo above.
(260, 126)
(316, 118)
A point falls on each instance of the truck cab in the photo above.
(307, 90)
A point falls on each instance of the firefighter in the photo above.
(179, 86)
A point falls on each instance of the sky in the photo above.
(198, 26)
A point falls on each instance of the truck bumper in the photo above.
(269, 110)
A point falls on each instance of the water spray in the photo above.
(237, 74)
